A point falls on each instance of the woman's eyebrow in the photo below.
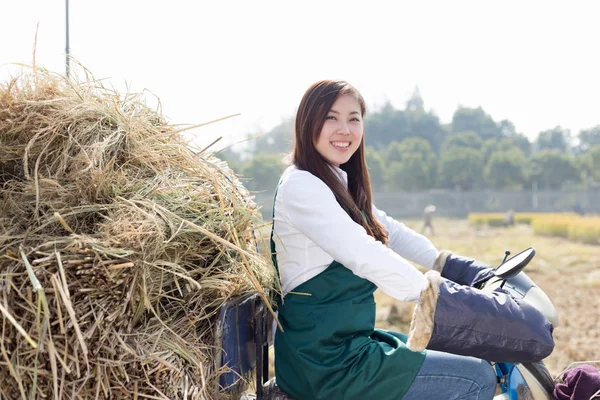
(337, 112)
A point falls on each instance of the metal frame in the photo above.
(243, 335)
(261, 338)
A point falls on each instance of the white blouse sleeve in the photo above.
(409, 244)
(309, 205)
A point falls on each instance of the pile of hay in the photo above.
(117, 246)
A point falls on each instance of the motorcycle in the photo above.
(522, 380)
(244, 334)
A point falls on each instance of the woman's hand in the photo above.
(462, 270)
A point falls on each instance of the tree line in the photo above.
(411, 150)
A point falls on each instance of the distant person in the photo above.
(578, 209)
(428, 219)
(509, 218)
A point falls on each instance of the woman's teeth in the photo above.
(341, 144)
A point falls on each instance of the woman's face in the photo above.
(342, 132)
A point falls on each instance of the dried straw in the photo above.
(117, 246)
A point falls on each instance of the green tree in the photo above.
(412, 165)
(376, 168)
(589, 138)
(411, 174)
(489, 147)
(468, 139)
(391, 125)
(426, 126)
(506, 169)
(415, 103)
(594, 155)
(589, 165)
(385, 126)
(507, 128)
(393, 153)
(422, 148)
(278, 140)
(554, 139)
(232, 159)
(263, 172)
(506, 143)
(460, 168)
(476, 120)
(551, 169)
(518, 140)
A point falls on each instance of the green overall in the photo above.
(330, 349)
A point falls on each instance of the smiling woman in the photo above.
(333, 248)
(342, 131)
(330, 117)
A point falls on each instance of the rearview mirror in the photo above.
(514, 265)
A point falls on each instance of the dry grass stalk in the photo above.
(117, 246)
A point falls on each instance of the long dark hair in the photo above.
(357, 199)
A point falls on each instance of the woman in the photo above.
(333, 248)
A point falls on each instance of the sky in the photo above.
(533, 62)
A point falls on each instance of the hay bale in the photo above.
(117, 246)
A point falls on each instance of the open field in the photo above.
(567, 271)
(574, 227)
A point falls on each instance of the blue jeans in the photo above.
(451, 377)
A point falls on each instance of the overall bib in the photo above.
(330, 349)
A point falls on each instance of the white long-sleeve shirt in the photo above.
(311, 230)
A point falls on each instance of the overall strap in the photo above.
(277, 296)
